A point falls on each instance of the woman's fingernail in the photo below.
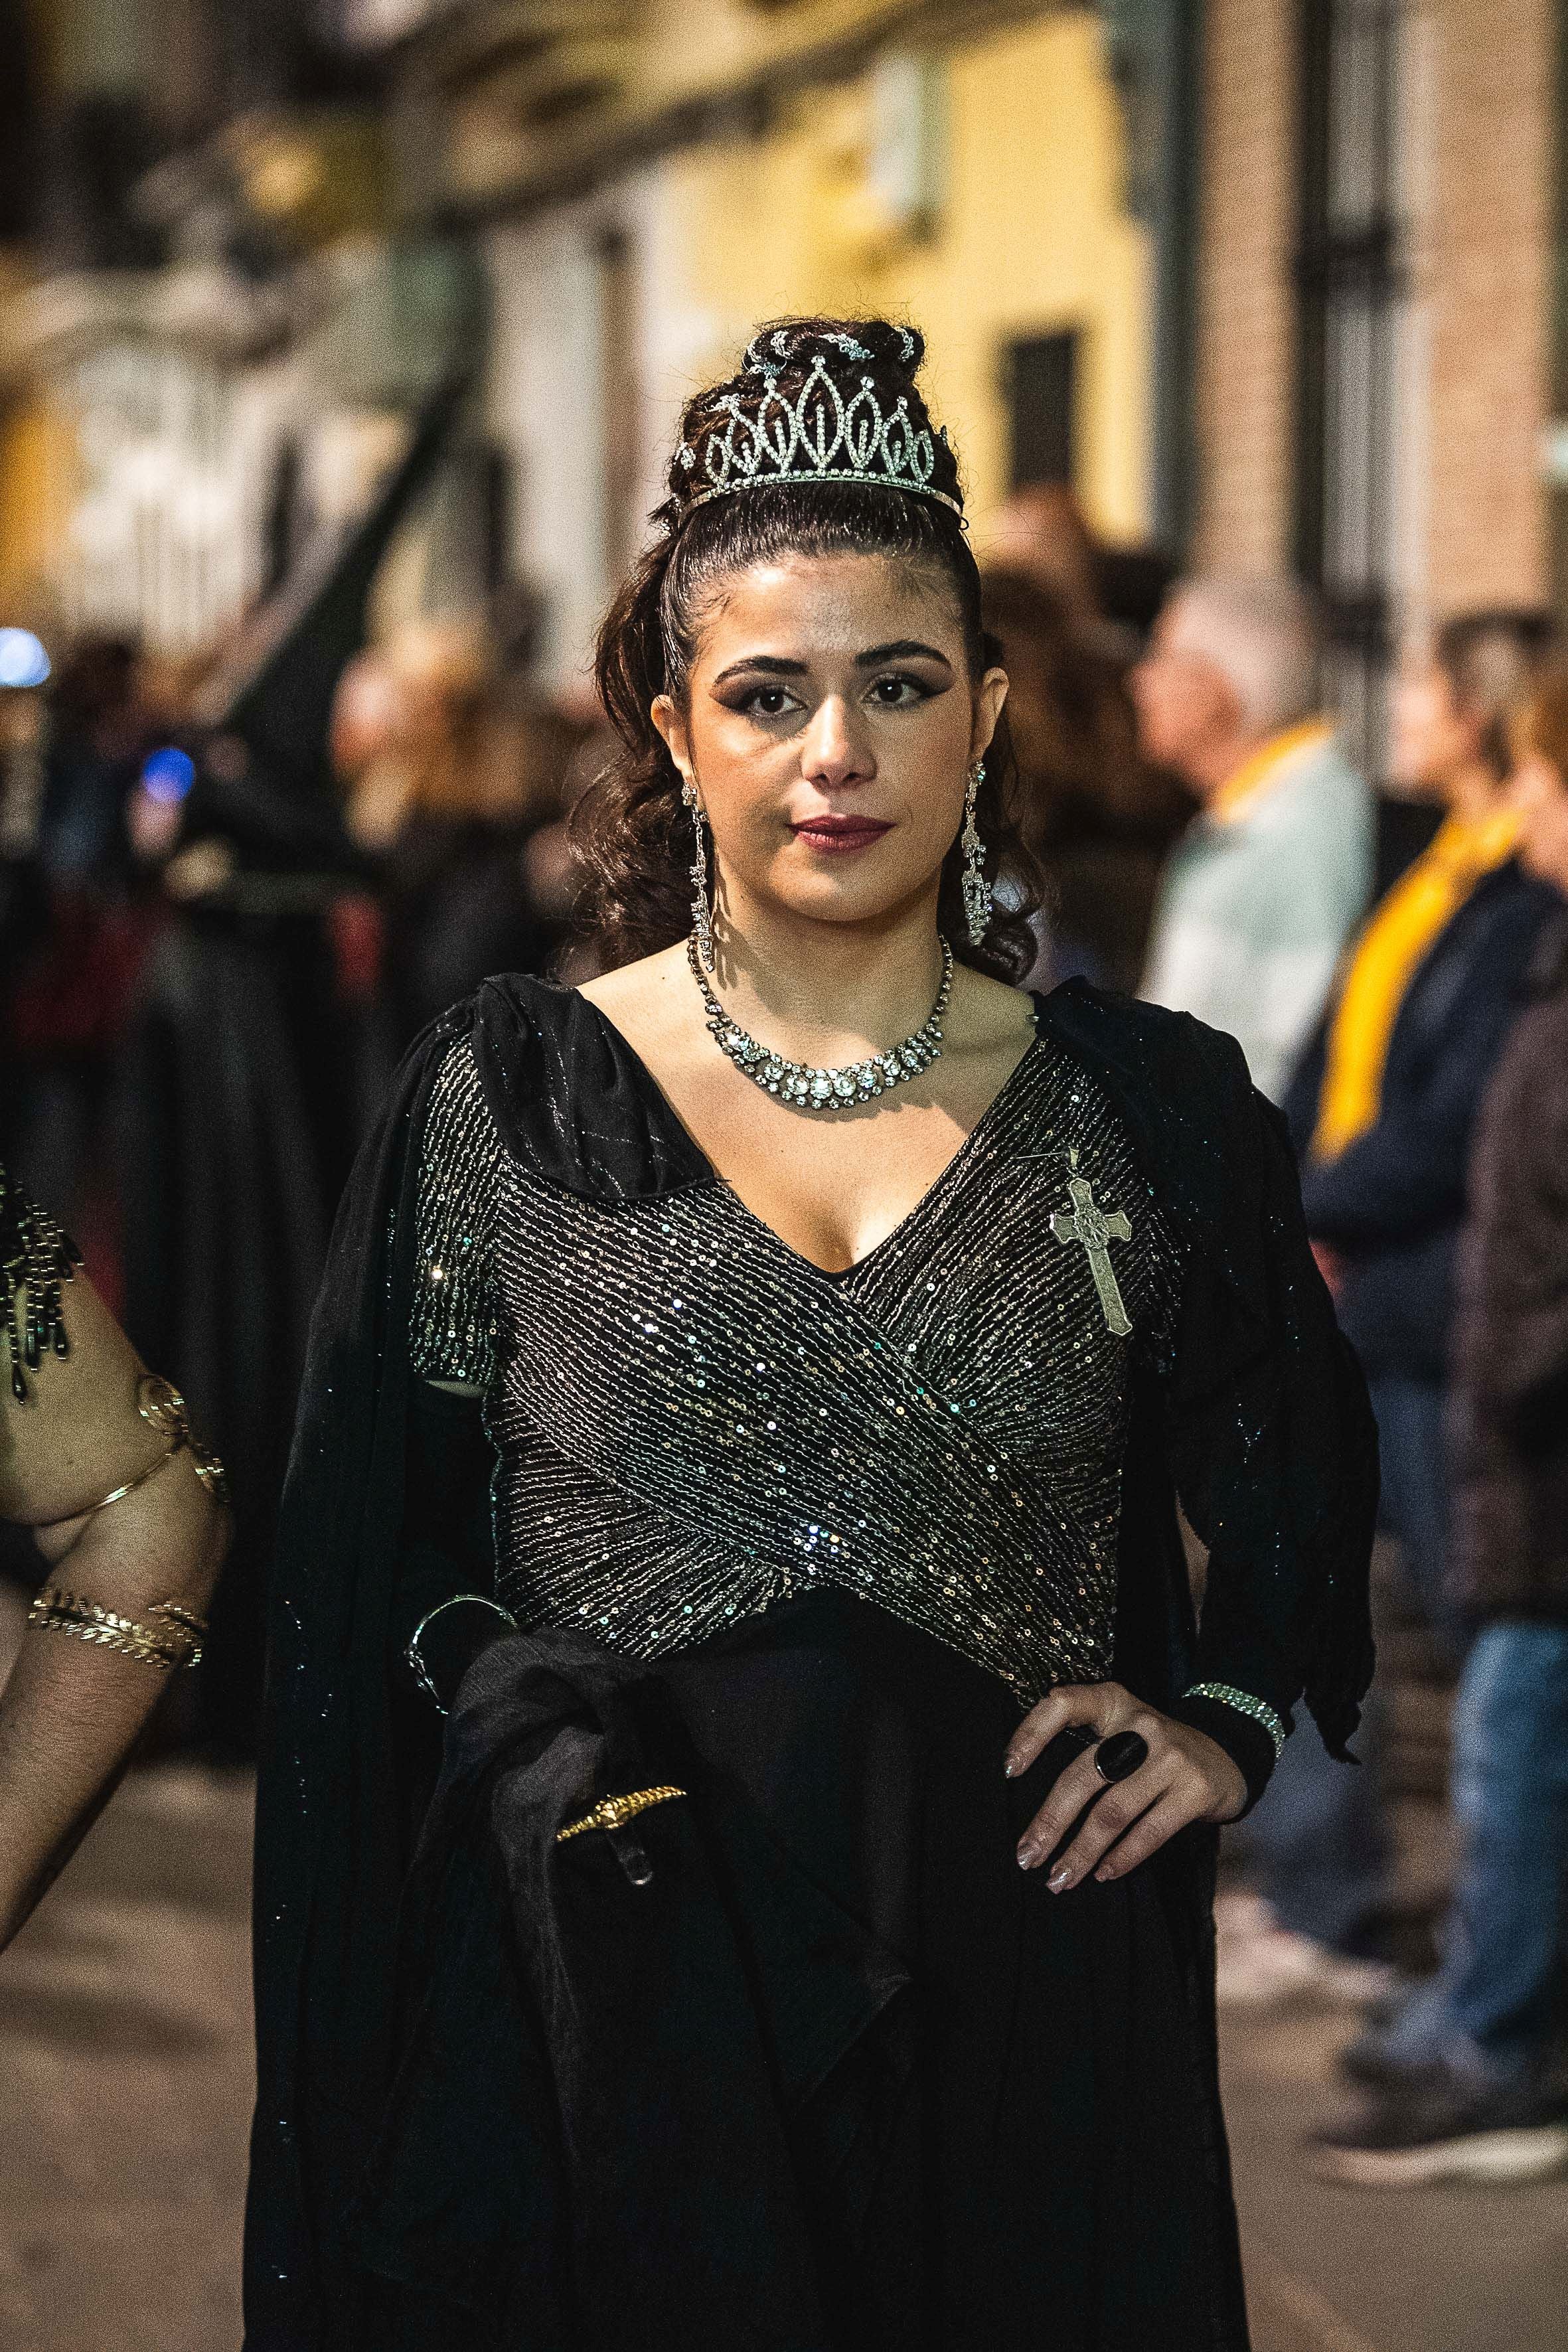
(1060, 1880)
(1027, 1856)
(1010, 1766)
(1109, 1871)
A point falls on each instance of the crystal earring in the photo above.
(702, 916)
(976, 889)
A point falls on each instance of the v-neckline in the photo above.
(917, 1207)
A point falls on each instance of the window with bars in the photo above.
(1351, 294)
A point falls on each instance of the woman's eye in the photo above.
(894, 692)
(766, 702)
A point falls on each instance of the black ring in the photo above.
(1121, 1754)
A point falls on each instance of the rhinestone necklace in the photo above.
(810, 1089)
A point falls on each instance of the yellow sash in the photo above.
(1394, 944)
(1261, 767)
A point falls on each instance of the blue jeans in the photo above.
(1498, 2001)
(1318, 1840)
(1413, 1503)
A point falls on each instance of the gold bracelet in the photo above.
(174, 1642)
(613, 1813)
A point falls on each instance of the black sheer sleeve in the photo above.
(1267, 1431)
(1273, 1450)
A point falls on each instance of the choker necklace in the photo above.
(809, 1089)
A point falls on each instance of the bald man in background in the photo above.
(1265, 888)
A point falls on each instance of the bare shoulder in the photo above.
(648, 1000)
(79, 1429)
(986, 1016)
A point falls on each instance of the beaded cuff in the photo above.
(1257, 1709)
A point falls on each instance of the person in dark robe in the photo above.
(742, 1777)
(249, 1071)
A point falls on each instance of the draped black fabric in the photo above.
(777, 2095)
(1084, 2028)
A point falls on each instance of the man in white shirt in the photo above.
(1276, 871)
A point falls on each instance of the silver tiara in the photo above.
(818, 437)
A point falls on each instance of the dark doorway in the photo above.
(1041, 386)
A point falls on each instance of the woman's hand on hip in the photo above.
(1186, 1777)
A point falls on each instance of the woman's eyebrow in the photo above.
(774, 664)
(901, 649)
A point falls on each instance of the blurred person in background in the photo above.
(451, 764)
(1270, 881)
(1097, 817)
(251, 1067)
(1383, 1108)
(70, 987)
(1110, 595)
(1470, 2071)
(1383, 1113)
(126, 1507)
(24, 904)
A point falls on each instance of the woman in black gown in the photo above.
(719, 1405)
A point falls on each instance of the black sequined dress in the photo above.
(842, 1529)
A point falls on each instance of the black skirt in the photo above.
(841, 2076)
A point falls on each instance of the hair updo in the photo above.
(631, 832)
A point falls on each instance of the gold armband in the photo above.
(171, 1641)
(164, 1409)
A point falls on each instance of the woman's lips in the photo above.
(838, 833)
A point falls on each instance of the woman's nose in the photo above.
(833, 753)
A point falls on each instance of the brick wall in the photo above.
(1488, 280)
(1244, 335)
(1479, 110)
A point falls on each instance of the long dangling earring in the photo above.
(976, 889)
(702, 916)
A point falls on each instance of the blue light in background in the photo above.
(23, 661)
(168, 775)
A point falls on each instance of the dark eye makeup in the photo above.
(893, 690)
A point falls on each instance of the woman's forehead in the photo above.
(830, 604)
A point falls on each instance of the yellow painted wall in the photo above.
(1032, 237)
(37, 474)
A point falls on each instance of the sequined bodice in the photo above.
(693, 1422)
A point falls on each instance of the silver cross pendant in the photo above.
(1088, 1225)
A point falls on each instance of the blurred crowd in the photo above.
(213, 948)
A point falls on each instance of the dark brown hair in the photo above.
(630, 830)
(1490, 659)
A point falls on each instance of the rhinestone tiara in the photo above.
(817, 436)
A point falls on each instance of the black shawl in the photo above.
(1259, 1419)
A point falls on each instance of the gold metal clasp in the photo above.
(615, 1812)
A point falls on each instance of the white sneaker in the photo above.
(1260, 1965)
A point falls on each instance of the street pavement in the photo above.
(124, 2101)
